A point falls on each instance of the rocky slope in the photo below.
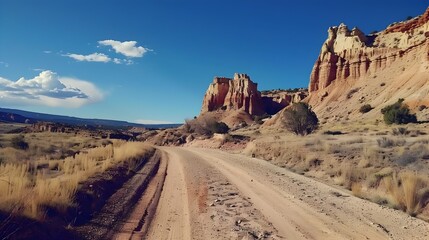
(241, 94)
(355, 69)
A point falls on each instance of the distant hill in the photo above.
(20, 116)
(15, 118)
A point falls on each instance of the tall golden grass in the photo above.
(403, 189)
(29, 188)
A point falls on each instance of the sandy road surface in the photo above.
(209, 194)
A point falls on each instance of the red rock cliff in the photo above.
(350, 54)
(239, 93)
(355, 69)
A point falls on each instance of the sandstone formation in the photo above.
(241, 93)
(377, 68)
(276, 100)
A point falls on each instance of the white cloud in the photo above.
(127, 48)
(146, 121)
(123, 61)
(48, 89)
(5, 64)
(47, 51)
(94, 57)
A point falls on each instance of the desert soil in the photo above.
(210, 194)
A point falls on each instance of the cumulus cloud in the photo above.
(48, 89)
(127, 48)
(94, 57)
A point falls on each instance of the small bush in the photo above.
(300, 119)
(398, 113)
(351, 92)
(19, 143)
(218, 127)
(385, 142)
(422, 107)
(400, 131)
(365, 108)
(330, 132)
(205, 126)
(259, 118)
(405, 188)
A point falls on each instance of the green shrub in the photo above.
(300, 119)
(398, 113)
(365, 108)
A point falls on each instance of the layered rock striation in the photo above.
(353, 69)
(351, 55)
(241, 93)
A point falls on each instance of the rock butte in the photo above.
(241, 93)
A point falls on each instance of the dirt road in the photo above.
(209, 194)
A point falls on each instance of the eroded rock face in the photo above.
(276, 100)
(240, 93)
(349, 55)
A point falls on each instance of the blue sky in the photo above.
(153, 60)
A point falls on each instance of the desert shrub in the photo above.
(405, 189)
(351, 92)
(18, 142)
(188, 125)
(300, 119)
(218, 127)
(411, 155)
(398, 113)
(259, 118)
(385, 142)
(422, 107)
(365, 108)
(400, 131)
(330, 132)
(205, 126)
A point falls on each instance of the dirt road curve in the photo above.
(209, 194)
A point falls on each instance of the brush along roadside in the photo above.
(70, 190)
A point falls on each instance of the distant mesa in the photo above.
(241, 94)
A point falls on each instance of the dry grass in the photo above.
(45, 145)
(404, 190)
(29, 188)
(391, 169)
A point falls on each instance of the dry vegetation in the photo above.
(45, 145)
(385, 164)
(30, 187)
